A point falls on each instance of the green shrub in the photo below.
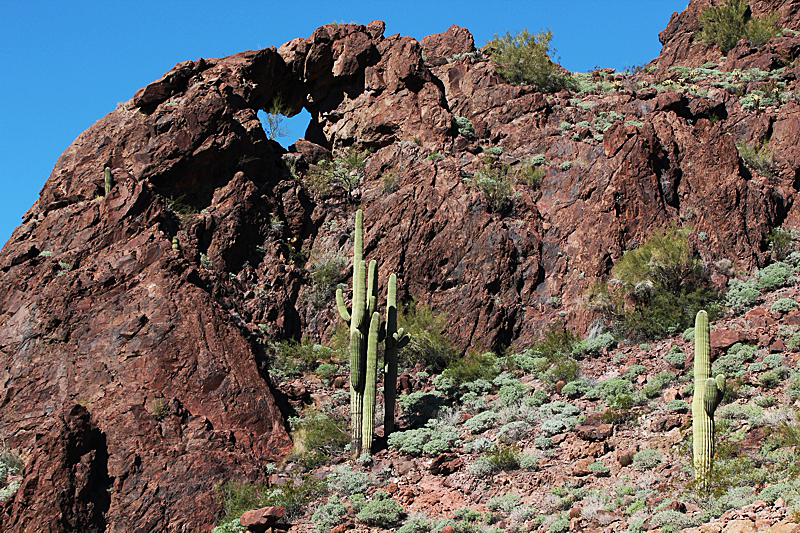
(428, 344)
(415, 524)
(464, 127)
(10, 465)
(646, 459)
(494, 180)
(742, 295)
(326, 272)
(543, 443)
(759, 156)
(725, 25)
(344, 172)
(779, 240)
(559, 525)
(481, 422)
(775, 276)
(564, 370)
(513, 392)
(513, 431)
(344, 481)
(784, 305)
(659, 289)
(473, 367)
(236, 497)
(381, 512)
(503, 504)
(503, 458)
(675, 357)
(329, 515)
(678, 406)
(732, 364)
(530, 174)
(523, 59)
(575, 389)
(420, 405)
(426, 440)
(589, 347)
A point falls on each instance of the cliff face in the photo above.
(134, 376)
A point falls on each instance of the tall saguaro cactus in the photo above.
(108, 180)
(395, 339)
(364, 303)
(708, 394)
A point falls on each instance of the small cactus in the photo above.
(708, 394)
(175, 245)
(109, 181)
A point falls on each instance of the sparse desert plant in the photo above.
(524, 59)
(725, 25)
(329, 515)
(381, 512)
(344, 481)
(784, 305)
(647, 459)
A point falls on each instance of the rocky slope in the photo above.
(134, 374)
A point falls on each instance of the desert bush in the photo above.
(742, 295)
(10, 465)
(678, 406)
(725, 25)
(494, 180)
(381, 512)
(779, 241)
(428, 344)
(320, 432)
(237, 497)
(503, 504)
(326, 272)
(784, 305)
(464, 126)
(759, 157)
(513, 431)
(575, 389)
(329, 515)
(675, 357)
(344, 172)
(593, 346)
(598, 468)
(429, 440)
(344, 481)
(774, 276)
(512, 392)
(658, 287)
(503, 458)
(646, 459)
(416, 524)
(481, 422)
(524, 59)
(732, 364)
(473, 367)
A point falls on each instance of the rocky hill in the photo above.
(133, 322)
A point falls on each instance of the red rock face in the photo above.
(153, 358)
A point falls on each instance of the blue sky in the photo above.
(68, 63)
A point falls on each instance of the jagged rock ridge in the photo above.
(154, 359)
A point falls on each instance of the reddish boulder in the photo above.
(259, 520)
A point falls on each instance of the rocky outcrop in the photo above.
(165, 350)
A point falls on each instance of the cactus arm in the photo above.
(370, 386)
(712, 397)
(358, 244)
(340, 305)
(372, 287)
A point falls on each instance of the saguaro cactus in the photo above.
(109, 181)
(395, 339)
(365, 289)
(708, 393)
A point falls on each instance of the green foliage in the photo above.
(428, 344)
(575, 389)
(238, 497)
(329, 515)
(784, 305)
(503, 504)
(732, 364)
(344, 172)
(493, 179)
(464, 126)
(381, 512)
(647, 459)
(590, 347)
(290, 358)
(481, 422)
(779, 240)
(598, 468)
(415, 524)
(344, 481)
(759, 157)
(742, 295)
(503, 458)
(678, 406)
(512, 392)
(326, 272)
(774, 276)
(530, 174)
(658, 287)
(320, 432)
(10, 465)
(725, 25)
(524, 59)
(472, 367)
(429, 440)
(275, 115)
(675, 357)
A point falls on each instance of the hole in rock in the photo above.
(285, 130)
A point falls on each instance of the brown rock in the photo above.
(448, 529)
(259, 520)
(594, 433)
(446, 464)
(723, 339)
